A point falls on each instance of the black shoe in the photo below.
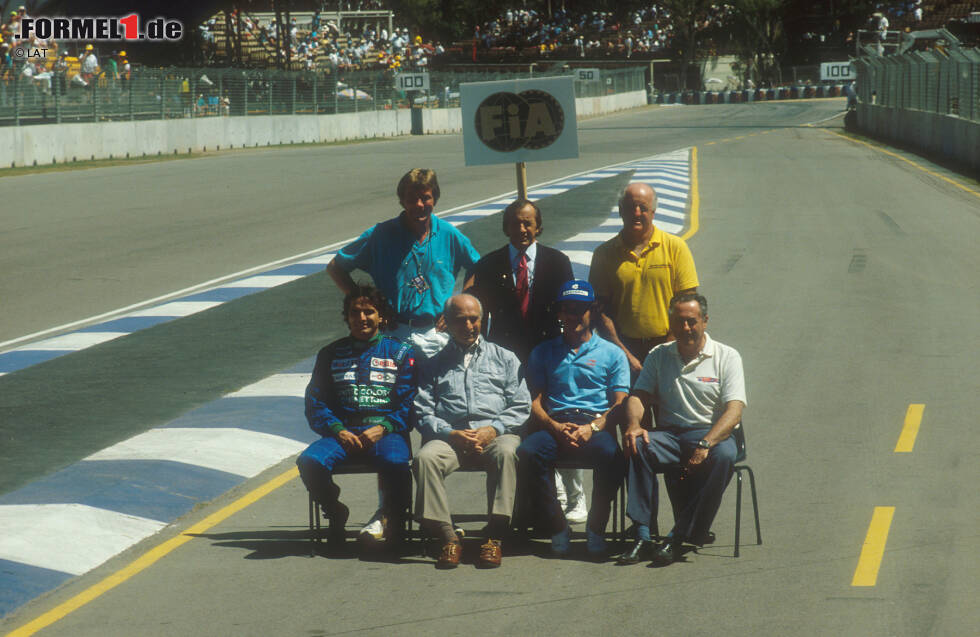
(641, 550)
(338, 521)
(668, 553)
(707, 538)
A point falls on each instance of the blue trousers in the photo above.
(392, 455)
(535, 465)
(696, 496)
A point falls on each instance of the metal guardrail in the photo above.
(212, 92)
(937, 82)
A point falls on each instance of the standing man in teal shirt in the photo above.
(414, 259)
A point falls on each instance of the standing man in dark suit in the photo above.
(518, 283)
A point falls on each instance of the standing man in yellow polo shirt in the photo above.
(636, 273)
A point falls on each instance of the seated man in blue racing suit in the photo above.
(360, 400)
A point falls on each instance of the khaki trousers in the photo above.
(437, 459)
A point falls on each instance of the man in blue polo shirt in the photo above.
(575, 380)
(413, 258)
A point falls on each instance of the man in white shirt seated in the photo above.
(696, 389)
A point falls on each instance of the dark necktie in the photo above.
(523, 293)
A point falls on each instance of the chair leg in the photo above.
(314, 525)
(738, 507)
(755, 506)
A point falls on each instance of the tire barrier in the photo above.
(694, 98)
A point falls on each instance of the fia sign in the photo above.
(519, 120)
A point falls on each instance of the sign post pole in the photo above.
(521, 180)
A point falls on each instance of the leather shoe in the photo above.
(707, 538)
(640, 550)
(668, 553)
(490, 554)
(449, 557)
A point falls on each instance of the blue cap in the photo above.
(576, 290)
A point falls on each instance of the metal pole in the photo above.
(16, 100)
(95, 98)
(271, 83)
(521, 180)
(293, 106)
(245, 94)
(163, 97)
(129, 87)
(57, 99)
(316, 106)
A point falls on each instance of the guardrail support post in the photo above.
(316, 106)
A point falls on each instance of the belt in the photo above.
(574, 415)
(421, 321)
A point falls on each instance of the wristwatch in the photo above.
(595, 428)
(704, 444)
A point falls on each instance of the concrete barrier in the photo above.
(947, 136)
(60, 143)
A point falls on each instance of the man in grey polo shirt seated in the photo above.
(696, 389)
(470, 402)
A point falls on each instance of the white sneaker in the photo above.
(375, 528)
(577, 513)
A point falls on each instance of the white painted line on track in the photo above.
(72, 341)
(598, 237)
(177, 308)
(323, 259)
(277, 385)
(232, 450)
(583, 257)
(264, 281)
(71, 538)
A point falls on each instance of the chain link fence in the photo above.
(946, 83)
(49, 98)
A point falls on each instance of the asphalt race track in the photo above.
(844, 273)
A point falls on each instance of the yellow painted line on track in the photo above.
(695, 199)
(153, 555)
(866, 573)
(913, 418)
(973, 192)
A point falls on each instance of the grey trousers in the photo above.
(437, 459)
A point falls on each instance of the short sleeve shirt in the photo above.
(585, 379)
(417, 277)
(639, 287)
(692, 394)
